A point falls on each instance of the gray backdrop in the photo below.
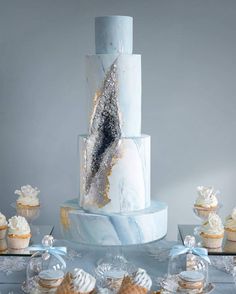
(188, 52)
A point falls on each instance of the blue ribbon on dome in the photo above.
(55, 251)
(199, 251)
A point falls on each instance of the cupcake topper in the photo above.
(188, 247)
(28, 191)
(47, 246)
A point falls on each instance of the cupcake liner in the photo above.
(230, 234)
(211, 241)
(203, 212)
(29, 212)
(17, 242)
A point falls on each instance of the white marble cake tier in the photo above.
(127, 184)
(132, 228)
(128, 80)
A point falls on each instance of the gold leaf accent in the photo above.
(64, 211)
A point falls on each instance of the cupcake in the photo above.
(50, 279)
(138, 282)
(18, 233)
(230, 226)
(206, 202)
(191, 282)
(3, 226)
(27, 204)
(77, 282)
(212, 232)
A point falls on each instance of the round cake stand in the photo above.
(113, 232)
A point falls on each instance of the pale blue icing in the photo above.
(192, 276)
(51, 274)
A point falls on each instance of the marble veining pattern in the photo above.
(111, 229)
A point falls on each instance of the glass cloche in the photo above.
(46, 261)
(188, 258)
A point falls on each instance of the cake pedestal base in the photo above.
(139, 227)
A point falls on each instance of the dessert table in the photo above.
(152, 257)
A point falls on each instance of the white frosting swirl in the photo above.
(18, 225)
(28, 195)
(230, 221)
(206, 197)
(82, 281)
(3, 221)
(213, 225)
(142, 279)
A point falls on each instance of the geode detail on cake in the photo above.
(128, 190)
(102, 141)
(129, 83)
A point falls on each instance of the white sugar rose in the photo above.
(18, 225)
(205, 192)
(28, 191)
(214, 220)
(206, 197)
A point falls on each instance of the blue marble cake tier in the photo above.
(131, 228)
(117, 184)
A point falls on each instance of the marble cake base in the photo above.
(131, 228)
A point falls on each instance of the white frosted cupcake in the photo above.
(139, 282)
(206, 201)
(212, 232)
(27, 204)
(230, 226)
(18, 233)
(3, 226)
(77, 282)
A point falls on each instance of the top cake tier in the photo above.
(114, 34)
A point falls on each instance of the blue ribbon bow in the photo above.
(181, 249)
(55, 251)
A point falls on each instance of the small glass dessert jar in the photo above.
(188, 266)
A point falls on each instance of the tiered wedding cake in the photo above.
(114, 206)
